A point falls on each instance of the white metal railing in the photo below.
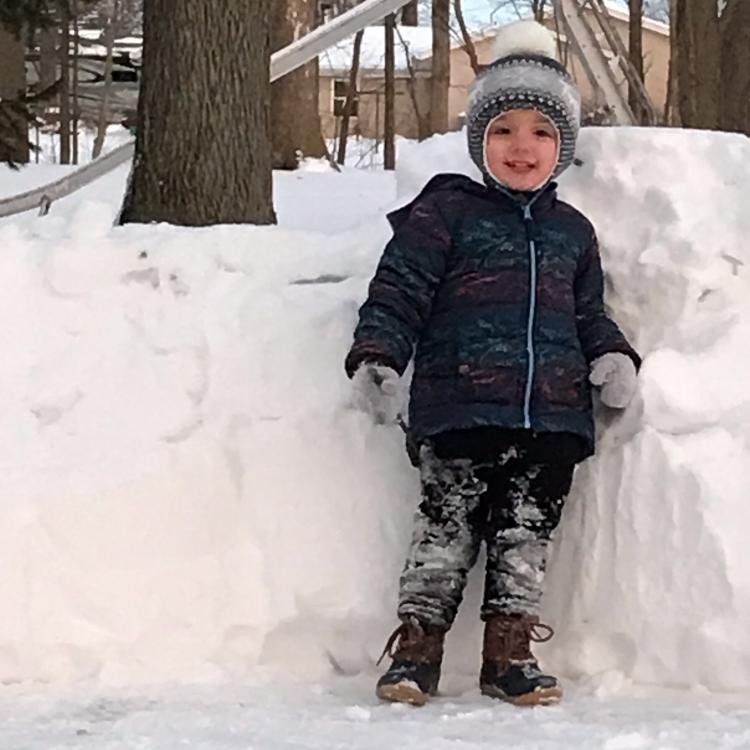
(282, 62)
(595, 64)
(636, 86)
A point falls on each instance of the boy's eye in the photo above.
(499, 130)
(543, 134)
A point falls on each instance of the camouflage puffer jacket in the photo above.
(499, 299)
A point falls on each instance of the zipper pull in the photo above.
(527, 212)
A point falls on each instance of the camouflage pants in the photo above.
(513, 505)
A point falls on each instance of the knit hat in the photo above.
(524, 75)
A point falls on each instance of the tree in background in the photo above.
(441, 66)
(711, 62)
(410, 14)
(635, 50)
(295, 113)
(48, 27)
(65, 104)
(734, 97)
(17, 15)
(389, 126)
(129, 16)
(14, 140)
(19, 19)
(110, 30)
(203, 142)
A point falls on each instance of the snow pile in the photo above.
(182, 472)
(651, 574)
(188, 491)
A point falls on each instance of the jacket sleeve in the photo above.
(597, 332)
(401, 292)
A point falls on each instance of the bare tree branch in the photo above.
(468, 42)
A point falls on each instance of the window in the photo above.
(340, 90)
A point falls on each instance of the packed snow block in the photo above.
(650, 574)
(189, 491)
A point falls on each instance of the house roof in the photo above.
(337, 60)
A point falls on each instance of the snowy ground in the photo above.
(264, 713)
(196, 524)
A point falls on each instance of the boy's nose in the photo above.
(520, 146)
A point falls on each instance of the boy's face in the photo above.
(521, 149)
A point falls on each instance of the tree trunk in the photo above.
(295, 113)
(698, 63)
(734, 104)
(410, 14)
(75, 102)
(441, 66)
(109, 37)
(65, 83)
(351, 97)
(635, 28)
(13, 128)
(203, 147)
(671, 108)
(389, 128)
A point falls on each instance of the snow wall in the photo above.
(188, 492)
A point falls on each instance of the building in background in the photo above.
(413, 70)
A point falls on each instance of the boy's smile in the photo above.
(521, 149)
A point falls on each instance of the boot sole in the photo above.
(539, 697)
(402, 692)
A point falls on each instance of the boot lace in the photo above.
(509, 638)
(413, 642)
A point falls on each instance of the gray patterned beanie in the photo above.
(524, 75)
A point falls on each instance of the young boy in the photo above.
(498, 287)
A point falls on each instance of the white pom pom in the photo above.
(525, 37)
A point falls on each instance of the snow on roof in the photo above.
(338, 59)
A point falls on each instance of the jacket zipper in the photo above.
(527, 220)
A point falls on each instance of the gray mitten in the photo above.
(616, 375)
(377, 392)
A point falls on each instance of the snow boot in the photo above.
(415, 670)
(509, 670)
